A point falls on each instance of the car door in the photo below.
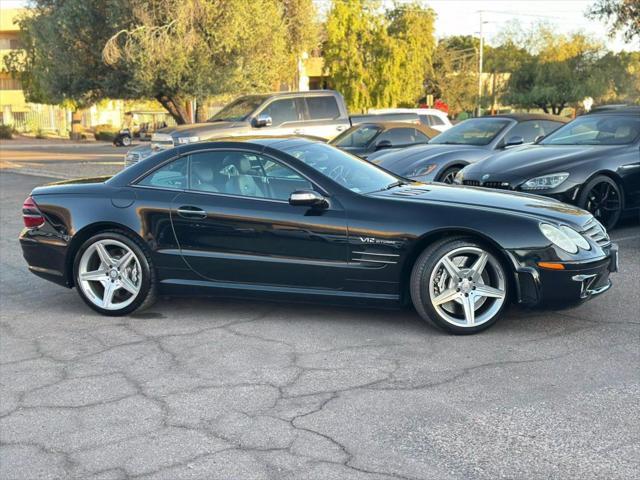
(235, 224)
(287, 116)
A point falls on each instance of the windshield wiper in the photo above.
(399, 183)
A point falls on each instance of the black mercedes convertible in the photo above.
(291, 218)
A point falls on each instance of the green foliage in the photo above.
(622, 15)
(61, 61)
(105, 133)
(454, 75)
(6, 132)
(378, 58)
(561, 70)
(81, 51)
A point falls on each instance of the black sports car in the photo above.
(366, 138)
(465, 143)
(294, 218)
(592, 162)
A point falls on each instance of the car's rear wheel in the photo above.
(449, 175)
(602, 197)
(459, 285)
(114, 274)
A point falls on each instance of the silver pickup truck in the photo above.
(316, 113)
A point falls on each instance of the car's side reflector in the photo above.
(551, 265)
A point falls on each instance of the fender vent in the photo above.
(410, 192)
(596, 232)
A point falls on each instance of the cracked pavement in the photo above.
(215, 389)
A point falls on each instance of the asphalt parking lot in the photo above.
(214, 389)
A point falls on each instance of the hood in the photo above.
(535, 160)
(536, 206)
(404, 162)
(206, 130)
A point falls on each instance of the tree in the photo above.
(454, 74)
(622, 80)
(61, 62)
(623, 15)
(378, 58)
(82, 51)
(562, 70)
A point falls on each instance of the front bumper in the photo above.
(579, 281)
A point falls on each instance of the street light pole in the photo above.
(480, 58)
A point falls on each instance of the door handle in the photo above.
(191, 212)
(297, 131)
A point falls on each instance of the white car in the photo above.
(430, 117)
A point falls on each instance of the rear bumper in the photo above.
(45, 256)
(576, 283)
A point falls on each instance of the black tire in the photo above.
(421, 275)
(126, 141)
(148, 290)
(602, 196)
(449, 174)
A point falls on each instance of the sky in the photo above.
(461, 17)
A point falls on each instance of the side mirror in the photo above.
(308, 198)
(262, 120)
(514, 141)
(383, 144)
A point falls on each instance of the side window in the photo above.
(172, 175)
(435, 120)
(529, 131)
(281, 181)
(421, 137)
(399, 136)
(322, 108)
(548, 126)
(282, 111)
(244, 174)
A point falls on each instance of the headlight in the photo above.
(576, 238)
(545, 182)
(559, 238)
(183, 140)
(423, 170)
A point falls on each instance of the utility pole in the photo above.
(480, 58)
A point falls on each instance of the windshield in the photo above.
(239, 110)
(476, 131)
(596, 130)
(359, 136)
(349, 171)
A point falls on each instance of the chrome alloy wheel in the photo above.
(109, 274)
(467, 287)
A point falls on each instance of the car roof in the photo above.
(278, 142)
(615, 110)
(430, 132)
(523, 117)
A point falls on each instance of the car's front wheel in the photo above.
(449, 175)
(603, 198)
(459, 285)
(114, 274)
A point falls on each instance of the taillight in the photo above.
(31, 215)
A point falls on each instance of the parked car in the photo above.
(295, 219)
(467, 142)
(317, 113)
(592, 162)
(366, 138)
(429, 117)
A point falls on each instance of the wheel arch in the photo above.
(85, 233)
(606, 173)
(429, 238)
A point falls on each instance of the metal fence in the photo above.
(45, 118)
